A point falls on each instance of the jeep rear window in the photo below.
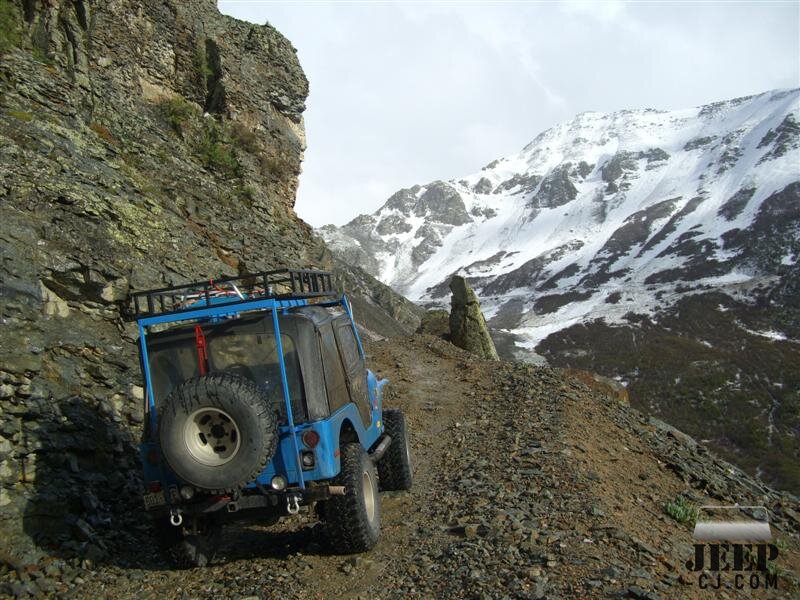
(347, 343)
(171, 363)
(255, 357)
(245, 348)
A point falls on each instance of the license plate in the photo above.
(154, 499)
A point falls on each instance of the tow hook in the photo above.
(293, 504)
(175, 517)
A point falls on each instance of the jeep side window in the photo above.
(332, 366)
(347, 343)
(356, 373)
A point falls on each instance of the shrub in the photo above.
(215, 154)
(219, 156)
(245, 138)
(102, 132)
(274, 166)
(21, 115)
(10, 30)
(41, 55)
(177, 112)
(681, 510)
(247, 193)
(200, 63)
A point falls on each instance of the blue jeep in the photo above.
(258, 402)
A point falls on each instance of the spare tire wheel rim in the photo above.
(369, 495)
(211, 436)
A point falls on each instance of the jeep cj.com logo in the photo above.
(732, 548)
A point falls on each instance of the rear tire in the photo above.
(352, 523)
(217, 432)
(394, 469)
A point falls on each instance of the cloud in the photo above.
(511, 39)
(606, 11)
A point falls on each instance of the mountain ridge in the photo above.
(407, 248)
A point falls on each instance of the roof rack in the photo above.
(283, 284)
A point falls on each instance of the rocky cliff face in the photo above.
(672, 233)
(141, 144)
(378, 310)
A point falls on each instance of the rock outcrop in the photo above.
(467, 326)
(141, 144)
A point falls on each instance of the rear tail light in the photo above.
(153, 486)
(310, 438)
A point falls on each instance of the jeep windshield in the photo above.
(244, 347)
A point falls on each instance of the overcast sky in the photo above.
(409, 93)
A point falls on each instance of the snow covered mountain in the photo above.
(599, 215)
(621, 222)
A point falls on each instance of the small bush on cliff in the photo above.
(41, 55)
(177, 111)
(200, 63)
(10, 30)
(247, 193)
(681, 510)
(244, 138)
(274, 166)
(216, 154)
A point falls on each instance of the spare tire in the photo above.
(217, 432)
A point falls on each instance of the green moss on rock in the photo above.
(10, 26)
(467, 326)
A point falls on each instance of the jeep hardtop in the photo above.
(258, 402)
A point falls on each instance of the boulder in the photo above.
(467, 326)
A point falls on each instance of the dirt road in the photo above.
(528, 485)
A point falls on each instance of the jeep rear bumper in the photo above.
(274, 503)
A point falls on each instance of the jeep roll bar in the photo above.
(284, 284)
(275, 291)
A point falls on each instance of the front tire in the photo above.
(352, 522)
(394, 469)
